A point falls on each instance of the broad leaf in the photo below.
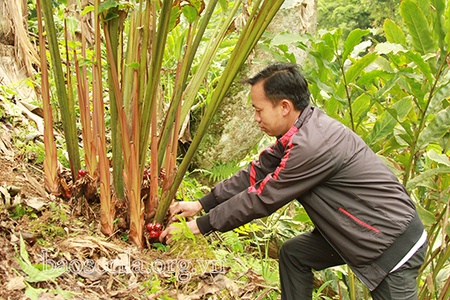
(422, 65)
(358, 67)
(393, 32)
(386, 123)
(424, 176)
(439, 158)
(426, 216)
(190, 13)
(437, 128)
(386, 48)
(439, 27)
(418, 27)
(35, 274)
(353, 39)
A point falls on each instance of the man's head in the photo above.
(283, 81)
(279, 94)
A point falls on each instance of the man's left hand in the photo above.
(167, 233)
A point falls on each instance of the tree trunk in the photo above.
(17, 53)
(17, 57)
(233, 132)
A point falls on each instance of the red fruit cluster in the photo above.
(81, 173)
(154, 230)
(147, 172)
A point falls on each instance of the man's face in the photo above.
(270, 118)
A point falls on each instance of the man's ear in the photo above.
(287, 106)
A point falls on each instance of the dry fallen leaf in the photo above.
(16, 283)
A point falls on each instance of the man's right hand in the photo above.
(185, 209)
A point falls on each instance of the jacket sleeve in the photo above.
(226, 189)
(304, 163)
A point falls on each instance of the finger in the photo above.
(177, 216)
(174, 208)
(163, 235)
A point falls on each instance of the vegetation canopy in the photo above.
(119, 83)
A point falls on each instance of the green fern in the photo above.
(221, 171)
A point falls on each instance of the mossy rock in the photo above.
(191, 248)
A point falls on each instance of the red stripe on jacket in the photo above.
(286, 141)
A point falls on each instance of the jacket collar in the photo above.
(304, 115)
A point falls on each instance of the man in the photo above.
(363, 216)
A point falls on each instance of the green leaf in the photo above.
(427, 217)
(302, 217)
(35, 274)
(23, 251)
(287, 39)
(358, 67)
(190, 13)
(106, 5)
(440, 27)
(418, 27)
(133, 65)
(386, 48)
(385, 124)
(331, 39)
(182, 230)
(437, 128)
(360, 106)
(439, 158)
(72, 24)
(447, 25)
(87, 10)
(174, 17)
(353, 39)
(223, 4)
(424, 176)
(394, 34)
(422, 65)
(198, 5)
(33, 293)
(389, 84)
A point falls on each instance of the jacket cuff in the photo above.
(204, 225)
(208, 202)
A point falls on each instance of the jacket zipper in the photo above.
(365, 225)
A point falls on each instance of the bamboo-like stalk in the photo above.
(107, 208)
(114, 28)
(152, 201)
(67, 107)
(257, 23)
(159, 37)
(90, 151)
(51, 157)
(134, 182)
(130, 149)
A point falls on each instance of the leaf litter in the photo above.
(52, 248)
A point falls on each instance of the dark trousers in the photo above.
(310, 251)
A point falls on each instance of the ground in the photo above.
(42, 234)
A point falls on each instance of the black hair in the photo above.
(283, 81)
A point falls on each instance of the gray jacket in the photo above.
(350, 195)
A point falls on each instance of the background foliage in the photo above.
(379, 67)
